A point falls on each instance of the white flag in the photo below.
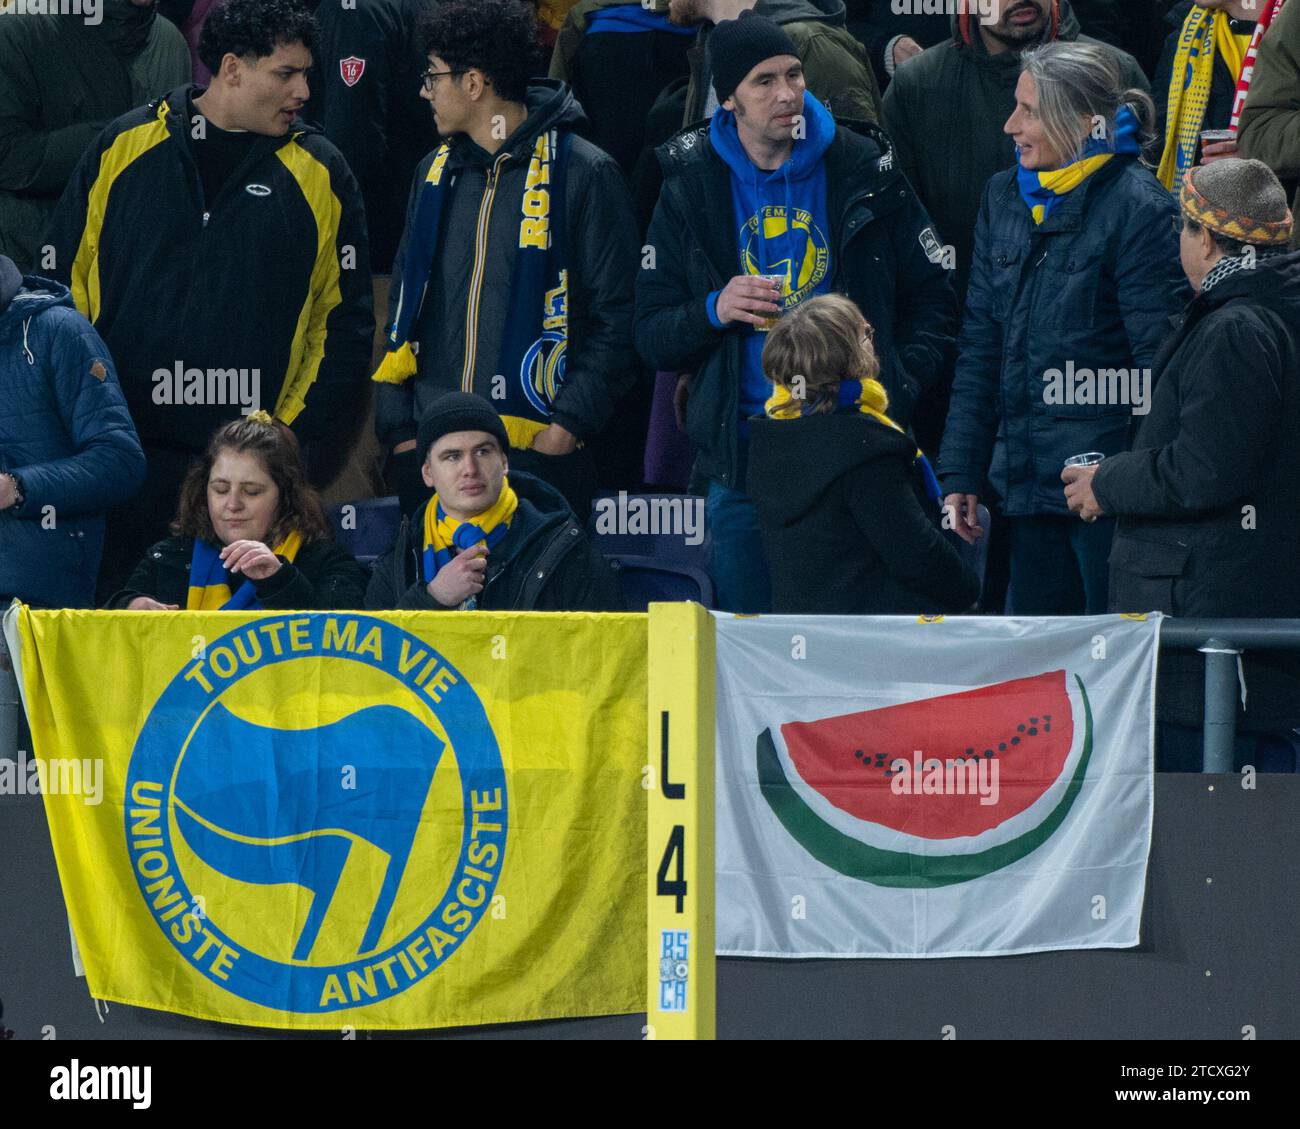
(902, 787)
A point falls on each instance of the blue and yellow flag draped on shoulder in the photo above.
(319, 820)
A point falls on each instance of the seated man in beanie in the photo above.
(1206, 497)
(484, 540)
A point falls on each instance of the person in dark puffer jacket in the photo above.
(835, 480)
(1076, 277)
(68, 449)
(250, 533)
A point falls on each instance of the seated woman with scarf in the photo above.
(250, 533)
(1074, 280)
(838, 484)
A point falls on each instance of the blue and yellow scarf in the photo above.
(211, 585)
(1043, 189)
(445, 536)
(866, 396)
(536, 333)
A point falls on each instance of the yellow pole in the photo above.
(679, 842)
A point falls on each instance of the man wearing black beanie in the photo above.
(770, 203)
(485, 540)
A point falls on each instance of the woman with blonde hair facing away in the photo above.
(838, 485)
(249, 533)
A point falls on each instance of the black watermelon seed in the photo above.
(1033, 721)
(1021, 728)
(1047, 717)
(1033, 731)
(970, 752)
(1002, 748)
(1015, 740)
(1047, 727)
(858, 753)
(988, 752)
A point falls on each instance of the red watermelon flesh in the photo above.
(1025, 725)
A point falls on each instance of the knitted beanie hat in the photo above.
(737, 46)
(1241, 199)
(458, 411)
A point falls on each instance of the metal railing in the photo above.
(1222, 641)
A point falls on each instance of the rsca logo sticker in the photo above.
(317, 811)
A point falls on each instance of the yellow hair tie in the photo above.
(261, 416)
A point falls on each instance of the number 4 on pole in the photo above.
(679, 843)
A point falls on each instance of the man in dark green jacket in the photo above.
(1270, 122)
(945, 110)
(62, 79)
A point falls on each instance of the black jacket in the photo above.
(617, 77)
(602, 253)
(876, 25)
(1207, 498)
(272, 277)
(878, 258)
(1091, 288)
(945, 110)
(62, 80)
(1223, 86)
(843, 527)
(544, 563)
(372, 109)
(322, 578)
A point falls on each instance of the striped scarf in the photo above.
(535, 338)
(866, 396)
(445, 536)
(211, 585)
(1043, 189)
(1206, 36)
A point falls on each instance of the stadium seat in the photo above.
(655, 566)
(648, 580)
(372, 528)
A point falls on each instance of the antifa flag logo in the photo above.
(351, 70)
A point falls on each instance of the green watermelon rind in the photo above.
(903, 869)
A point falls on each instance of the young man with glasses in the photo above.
(515, 273)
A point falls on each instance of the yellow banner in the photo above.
(331, 820)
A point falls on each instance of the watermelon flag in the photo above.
(901, 787)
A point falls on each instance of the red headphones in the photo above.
(965, 26)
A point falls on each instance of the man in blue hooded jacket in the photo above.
(68, 448)
(767, 205)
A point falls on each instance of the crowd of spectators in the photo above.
(874, 281)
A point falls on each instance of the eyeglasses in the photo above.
(427, 78)
(869, 335)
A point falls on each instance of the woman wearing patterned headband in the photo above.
(250, 533)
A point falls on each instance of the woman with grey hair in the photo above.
(1074, 280)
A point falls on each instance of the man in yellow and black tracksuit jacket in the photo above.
(259, 294)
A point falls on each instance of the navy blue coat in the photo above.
(66, 434)
(1093, 288)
